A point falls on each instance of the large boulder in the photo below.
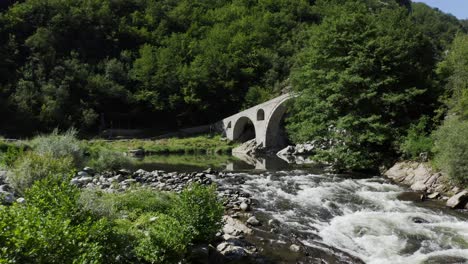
(231, 251)
(419, 186)
(458, 200)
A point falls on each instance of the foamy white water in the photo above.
(362, 217)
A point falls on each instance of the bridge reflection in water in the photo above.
(247, 162)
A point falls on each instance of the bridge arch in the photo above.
(266, 119)
(242, 128)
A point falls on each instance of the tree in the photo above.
(363, 79)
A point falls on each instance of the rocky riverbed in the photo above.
(235, 243)
(420, 177)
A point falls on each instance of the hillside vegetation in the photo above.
(376, 78)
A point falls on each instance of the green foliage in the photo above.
(129, 204)
(12, 153)
(204, 144)
(59, 146)
(158, 227)
(451, 149)
(454, 71)
(110, 160)
(162, 238)
(417, 141)
(363, 78)
(32, 167)
(199, 209)
(179, 62)
(441, 28)
(451, 141)
(50, 228)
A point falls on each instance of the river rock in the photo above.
(137, 152)
(231, 251)
(89, 170)
(5, 188)
(235, 227)
(295, 248)
(85, 180)
(6, 197)
(289, 150)
(253, 221)
(433, 195)
(419, 186)
(244, 206)
(82, 174)
(21, 200)
(458, 201)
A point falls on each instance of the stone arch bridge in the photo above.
(265, 118)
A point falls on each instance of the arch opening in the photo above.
(244, 130)
(275, 135)
(260, 115)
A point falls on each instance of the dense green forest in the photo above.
(371, 73)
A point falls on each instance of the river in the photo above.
(348, 219)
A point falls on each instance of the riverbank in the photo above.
(237, 240)
(420, 177)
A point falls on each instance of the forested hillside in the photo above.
(141, 63)
(369, 72)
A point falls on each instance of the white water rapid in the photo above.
(361, 217)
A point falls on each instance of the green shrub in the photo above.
(51, 228)
(131, 203)
(451, 149)
(32, 167)
(60, 145)
(198, 207)
(162, 238)
(417, 140)
(110, 160)
(12, 153)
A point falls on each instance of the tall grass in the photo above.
(60, 145)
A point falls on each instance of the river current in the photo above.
(353, 220)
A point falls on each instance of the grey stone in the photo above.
(232, 226)
(82, 174)
(458, 201)
(289, 150)
(6, 197)
(85, 180)
(21, 200)
(89, 170)
(137, 152)
(244, 206)
(253, 221)
(419, 186)
(75, 181)
(433, 195)
(5, 188)
(231, 251)
(295, 248)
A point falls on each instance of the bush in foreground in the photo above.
(32, 167)
(51, 228)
